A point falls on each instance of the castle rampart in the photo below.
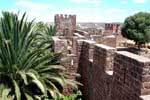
(106, 74)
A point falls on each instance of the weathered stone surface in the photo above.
(105, 73)
(129, 80)
(65, 24)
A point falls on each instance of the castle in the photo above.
(65, 24)
(107, 72)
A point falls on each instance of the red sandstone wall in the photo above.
(130, 81)
(69, 61)
(102, 63)
(65, 24)
(85, 67)
(59, 44)
(109, 41)
(93, 70)
(131, 73)
(106, 40)
(112, 27)
(131, 77)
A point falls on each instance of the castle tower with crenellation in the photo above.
(112, 27)
(65, 24)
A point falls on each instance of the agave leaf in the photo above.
(53, 93)
(11, 97)
(5, 93)
(30, 56)
(24, 77)
(42, 60)
(52, 89)
(32, 75)
(58, 79)
(36, 81)
(40, 85)
(28, 97)
(72, 83)
(17, 90)
(50, 68)
(51, 85)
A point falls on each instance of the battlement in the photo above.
(106, 74)
(112, 74)
(112, 27)
(64, 17)
(65, 24)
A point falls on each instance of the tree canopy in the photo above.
(137, 28)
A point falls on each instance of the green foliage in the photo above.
(45, 33)
(27, 72)
(46, 29)
(74, 96)
(40, 27)
(137, 28)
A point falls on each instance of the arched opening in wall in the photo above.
(66, 31)
(69, 51)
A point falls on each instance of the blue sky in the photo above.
(86, 10)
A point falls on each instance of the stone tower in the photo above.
(65, 24)
(112, 27)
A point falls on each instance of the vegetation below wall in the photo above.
(29, 70)
(75, 96)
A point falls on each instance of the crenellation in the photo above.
(65, 24)
(106, 74)
(65, 16)
(112, 26)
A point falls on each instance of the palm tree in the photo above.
(27, 73)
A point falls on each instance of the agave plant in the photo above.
(45, 33)
(49, 30)
(26, 73)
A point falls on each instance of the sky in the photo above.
(86, 10)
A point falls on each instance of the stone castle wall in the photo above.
(95, 76)
(131, 77)
(106, 74)
(113, 75)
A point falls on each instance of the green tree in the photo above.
(26, 73)
(137, 28)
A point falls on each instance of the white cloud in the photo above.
(34, 10)
(73, 10)
(115, 15)
(79, 1)
(140, 1)
(83, 14)
(41, 11)
(124, 2)
(115, 10)
(94, 17)
(93, 2)
(33, 5)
